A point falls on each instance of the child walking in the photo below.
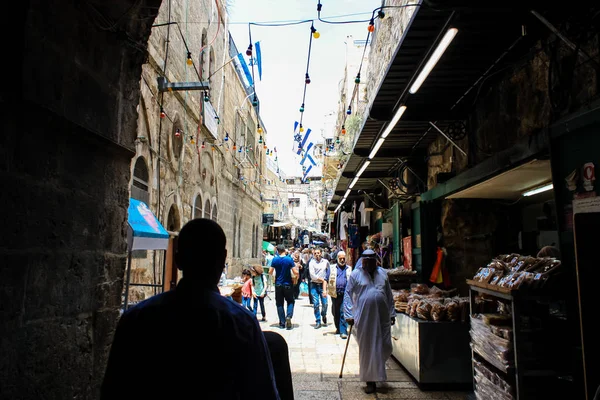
(247, 289)
(259, 287)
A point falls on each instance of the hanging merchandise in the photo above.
(439, 273)
(354, 236)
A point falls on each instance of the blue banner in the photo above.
(246, 70)
(258, 59)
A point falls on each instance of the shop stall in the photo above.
(431, 335)
(515, 330)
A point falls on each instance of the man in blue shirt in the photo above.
(284, 289)
(209, 330)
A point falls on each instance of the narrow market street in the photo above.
(316, 359)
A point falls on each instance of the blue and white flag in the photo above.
(303, 142)
(245, 69)
(306, 173)
(258, 59)
(307, 155)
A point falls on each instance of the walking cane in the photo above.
(346, 351)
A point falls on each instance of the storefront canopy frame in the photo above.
(488, 40)
(145, 230)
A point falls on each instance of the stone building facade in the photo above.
(201, 158)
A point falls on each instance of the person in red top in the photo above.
(247, 289)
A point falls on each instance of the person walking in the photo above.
(338, 279)
(268, 260)
(203, 354)
(298, 278)
(368, 302)
(259, 289)
(247, 292)
(318, 268)
(282, 266)
(305, 258)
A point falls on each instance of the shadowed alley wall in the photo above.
(69, 119)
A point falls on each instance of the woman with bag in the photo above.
(259, 288)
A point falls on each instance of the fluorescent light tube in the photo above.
(376, 148)
(538, 190)
(347, 193)
(353, 182)
(441, 48)
(393, 122)
(362, 169)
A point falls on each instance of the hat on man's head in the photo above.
(368, 253)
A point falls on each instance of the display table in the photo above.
(433, 352)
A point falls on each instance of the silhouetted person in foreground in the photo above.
(192, 342)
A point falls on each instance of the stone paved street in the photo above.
(316, 359)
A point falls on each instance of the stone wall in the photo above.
(511, 105)
(518, 103)
(69, 118)
(474, 231)
(197, 172)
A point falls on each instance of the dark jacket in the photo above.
(187, 343)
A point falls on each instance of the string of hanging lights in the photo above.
(228, 143)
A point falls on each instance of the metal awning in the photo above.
(281, 224)
(145, 231)
(488, 39)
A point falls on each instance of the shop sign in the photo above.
(588, 176)
(268, 219)
(209, 118)
(586, 205)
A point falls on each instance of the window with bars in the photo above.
(198, 207)
(240, 129)
(251, 138)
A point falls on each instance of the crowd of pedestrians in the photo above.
(359, 296)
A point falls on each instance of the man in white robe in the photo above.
(368, 302)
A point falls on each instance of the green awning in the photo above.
(268, 247)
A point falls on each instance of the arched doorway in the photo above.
(173, 219)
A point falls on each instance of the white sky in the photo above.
(284, 56)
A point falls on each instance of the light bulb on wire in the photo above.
(189, 58)
(315, 34)
(371, 27)
(307, 80)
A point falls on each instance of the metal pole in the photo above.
(127, 282)
(566, 40)
(447, 137)
(164, 274)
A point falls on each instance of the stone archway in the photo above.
(173, 219)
